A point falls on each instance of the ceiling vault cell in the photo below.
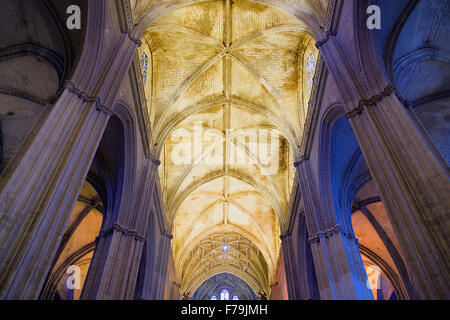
(226, 87)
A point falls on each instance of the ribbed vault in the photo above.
(225, 86)
(208, 258)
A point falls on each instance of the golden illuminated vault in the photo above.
(227, 91)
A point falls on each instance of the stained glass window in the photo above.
(235, 298)
(224, 294)
(144, 67)
(310, 68)
(214, 297)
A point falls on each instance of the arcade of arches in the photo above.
(224, 150)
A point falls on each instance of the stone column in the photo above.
(307, 276)
(154, 268)
(277, 292)
(339, 268)
(115, 264)
(297, 267)
(414, 185)
(38, 191)
(291, 267)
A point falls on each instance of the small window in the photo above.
(214, 297)
(224, 294)
(144, 67)
(310, 68)
(235, 298)
(225, 248)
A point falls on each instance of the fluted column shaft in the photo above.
(413, 182)
(155, 268)
(39, 190)
(299, 266)
(339, 268)
(292, 268)
(115, 265)
(37, 199)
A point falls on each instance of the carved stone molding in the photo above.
(87, 98)
(300, 161)
(328, 28)
(328, 233)
(168, 235)
(370, 102)
(128, 12)
(141, 104)
(118, 228)
(129, 32)
(319, 80)
(326, 36)
(285, 235)
(155, 161)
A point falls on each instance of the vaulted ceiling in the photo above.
(227, 85)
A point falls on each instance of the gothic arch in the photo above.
(330, 117)
(130, 130)
(78, 242)
(253, 283)
(112, 170)
(227, 281)
(342, 177)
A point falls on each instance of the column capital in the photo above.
(262, 296)
(124, 231)
(129, 33)
(373, 101)
(186, 296)
(325, 37)
(328, 233)
(299, 161)
(86, 97)
(168, 235)
(285, 235)
(155, 161)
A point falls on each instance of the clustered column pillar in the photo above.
(155, 267)
(339, 269)
(299, 266)
(414, 185)
(292, 268)
(38, 194)
(115, 264)
(39, 190)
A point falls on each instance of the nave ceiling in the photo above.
(227, 85)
